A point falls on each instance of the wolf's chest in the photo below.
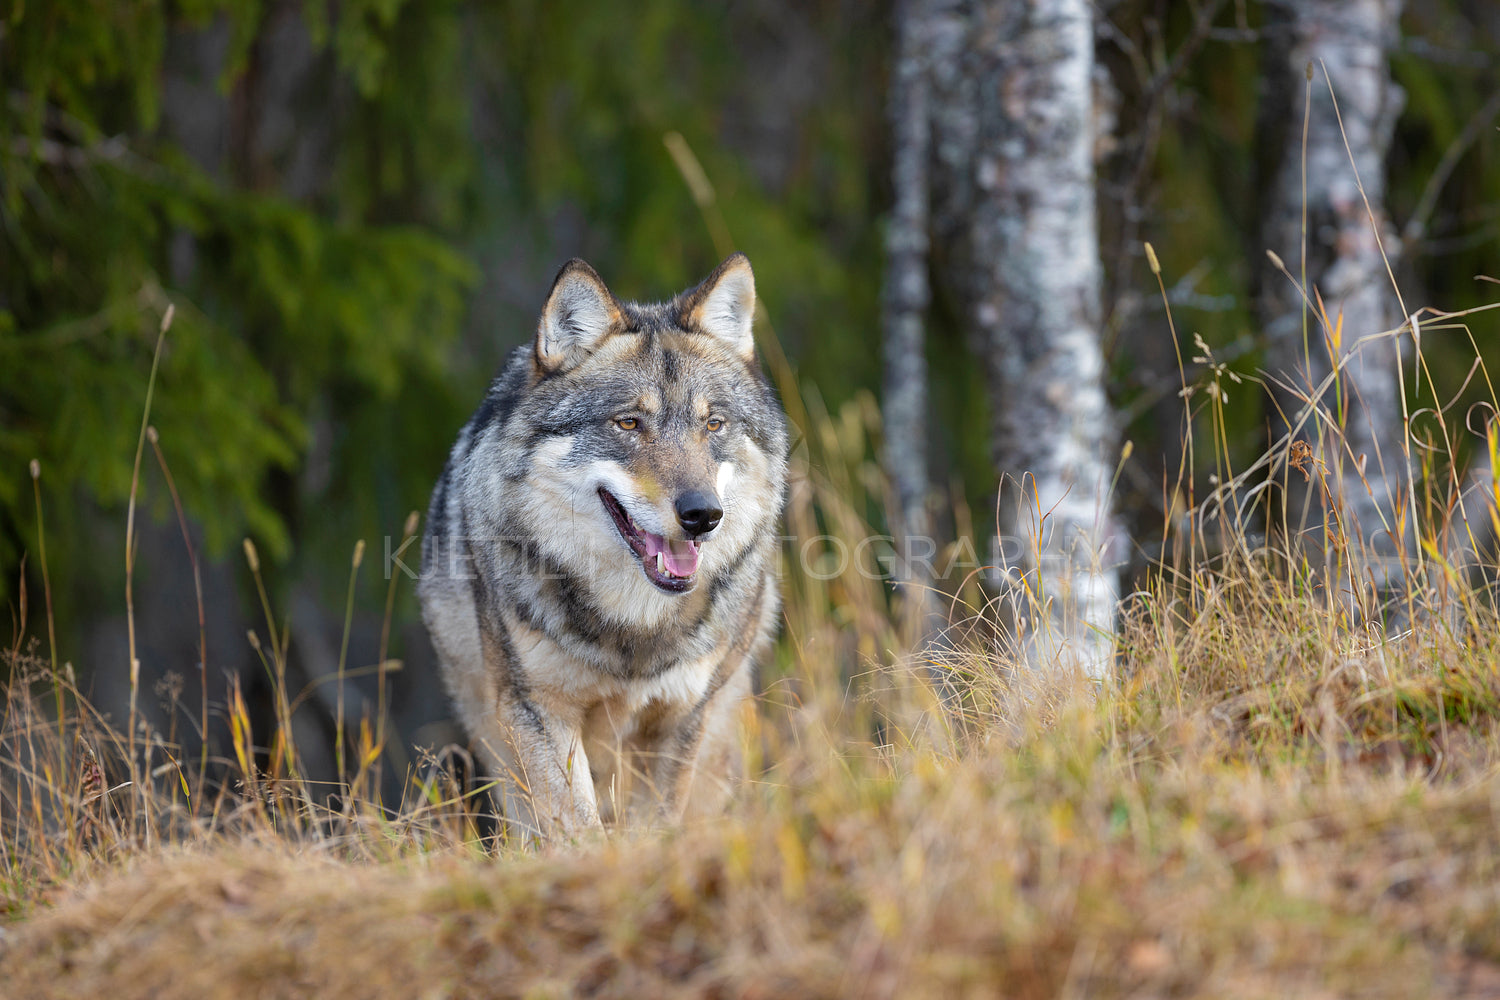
(550, 671)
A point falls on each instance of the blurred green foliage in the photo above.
(291, 310)
(584, 95)
(310, 385)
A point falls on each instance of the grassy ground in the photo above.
(1273, 797)
(1266, 804)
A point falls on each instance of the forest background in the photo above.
(356, 208)
(352, 210)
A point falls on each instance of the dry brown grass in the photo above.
(1265, 805)
(1275, 797)
(1086, 857)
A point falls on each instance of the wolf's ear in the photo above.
(580, 312)
(724, 305)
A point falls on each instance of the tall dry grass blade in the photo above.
(41, 543)
(187, 541)
(343, 776)
(408, 535)
(705, 197)
(130, 540)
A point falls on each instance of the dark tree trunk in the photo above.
(906, 289)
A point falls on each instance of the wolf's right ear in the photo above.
(580, 312)
(724, 305)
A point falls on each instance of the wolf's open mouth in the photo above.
(669, 563)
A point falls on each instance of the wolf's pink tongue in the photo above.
(681, 557)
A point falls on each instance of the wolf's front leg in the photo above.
(700, 757)
(549, 791)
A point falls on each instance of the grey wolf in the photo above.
(599, 561)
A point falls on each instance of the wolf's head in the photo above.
(657, 448)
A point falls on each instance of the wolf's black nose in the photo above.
(698, 512)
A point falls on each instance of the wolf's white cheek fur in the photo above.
(568, 521)
(756, 468)
(549, 486)
(565, 517)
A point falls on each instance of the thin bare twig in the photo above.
(1416, 226)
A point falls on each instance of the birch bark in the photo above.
(1014, 138)
(1339, 241)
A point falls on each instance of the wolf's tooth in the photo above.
(661, 563)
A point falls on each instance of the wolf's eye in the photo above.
(715, 425)
(627, 423)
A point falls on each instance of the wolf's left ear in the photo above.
(724, 305)
(580, 312)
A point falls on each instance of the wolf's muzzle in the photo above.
(698, 512)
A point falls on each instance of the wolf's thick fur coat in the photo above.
(599, 562)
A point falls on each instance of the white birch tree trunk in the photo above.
(1338, 246)
(1014, 127)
